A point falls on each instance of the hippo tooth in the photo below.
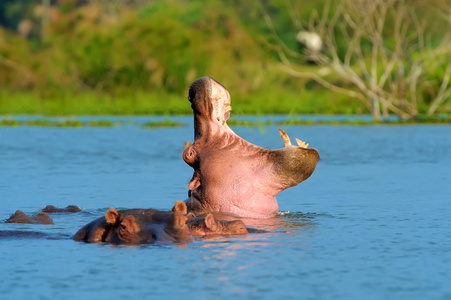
(285, 137)
(228, 108)
(218, 98)
(301, 143)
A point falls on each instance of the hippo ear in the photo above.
(180, 207)
(112, 216)
(19, 213)
(190, 155)
(210, 222)
(179, 220)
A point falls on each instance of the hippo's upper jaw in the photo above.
(232, 175)
(210, 102)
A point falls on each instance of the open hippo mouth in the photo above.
(231, 175)
(211, 99)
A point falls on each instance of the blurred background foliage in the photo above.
(139, 57)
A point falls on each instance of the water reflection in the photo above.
(22, 234)
(262, 233)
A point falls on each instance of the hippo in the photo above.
(138, 226)
(68, 209)
(231, 175)
(147, 226)
(21, 217)
(208, 225)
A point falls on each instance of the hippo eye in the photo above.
(123, 227)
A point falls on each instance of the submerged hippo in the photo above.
(147, 226)
(138, 226)
(208, 225)
(231, 175)
(68, 209)
(21, 217)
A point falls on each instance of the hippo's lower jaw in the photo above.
(232, 175)
(266, 207)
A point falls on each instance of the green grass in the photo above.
(165, 123)
(91, 103)
(446, 119)
(67, 123)
(74, 123)
(272, 101)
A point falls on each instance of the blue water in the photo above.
(373, 221)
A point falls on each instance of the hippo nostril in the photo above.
(154, 237)
(218, 118)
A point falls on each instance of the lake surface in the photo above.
(373, 221)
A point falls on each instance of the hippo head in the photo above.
(139, 227)
(20, 217)
(67, 209)
(232, 175)
(208, 225)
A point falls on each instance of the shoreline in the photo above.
(155, 121)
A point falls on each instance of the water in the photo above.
(373, 222)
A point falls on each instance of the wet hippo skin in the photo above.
(148, 226)
(208, 225)
(68, 209)
(21, 217)
(231, 175)
(138, 226)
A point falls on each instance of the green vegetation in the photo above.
(160, 124)
(104, 58)
(75, 123)
(11, 122)
(389, 52)
(148, 103)
(71, 122)
(331, 121)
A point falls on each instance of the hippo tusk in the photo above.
(285, 137)
(287, 141)
(301, 143)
